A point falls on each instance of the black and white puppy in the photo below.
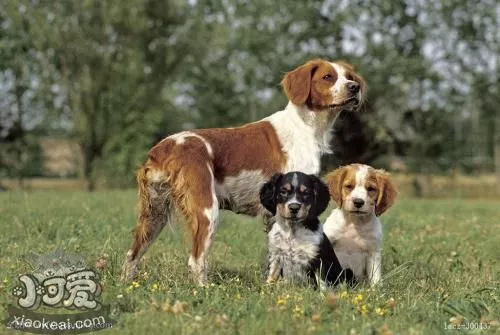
(299, 251)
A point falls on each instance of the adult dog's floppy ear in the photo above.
(297, 83)
(334, 181)
(268, 193)
(321, 196)
(386, 194)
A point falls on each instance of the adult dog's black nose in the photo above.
(294, 208)
(353, 87)
(358, 203)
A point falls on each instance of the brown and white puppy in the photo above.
(200, 171)
(362, 194)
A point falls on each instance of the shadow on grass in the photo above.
(219, 274)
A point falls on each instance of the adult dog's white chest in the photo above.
(304, 137)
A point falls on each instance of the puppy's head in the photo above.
(295, 196)
(361, 189)
(323, 85)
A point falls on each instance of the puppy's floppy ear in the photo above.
(321, 196)
(268, 193)
(297, 83)
(387, 192)
(334, 180)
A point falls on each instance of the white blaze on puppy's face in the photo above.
(360, 189)
(294, 197)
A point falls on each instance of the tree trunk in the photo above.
(19, 129)
(88, 160)
(496, 151)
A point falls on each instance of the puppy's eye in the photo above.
(349, 77)
(371, 189)
(349, 187)
(328, 77)
(283, 193)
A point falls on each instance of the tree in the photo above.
(112, 61)
(22, 99)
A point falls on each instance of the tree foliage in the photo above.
(119, 75)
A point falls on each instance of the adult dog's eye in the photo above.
(371, 189)
(283, 193)
(349, 187)
(328, 77)
(349, 77)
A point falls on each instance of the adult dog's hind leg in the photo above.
(202, 214)
(154, 213)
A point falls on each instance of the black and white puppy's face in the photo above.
(295, 196)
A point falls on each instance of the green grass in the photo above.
(440, 260)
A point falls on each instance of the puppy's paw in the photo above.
(271, 279)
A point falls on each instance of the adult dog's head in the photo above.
(323, 85)
(295, 196)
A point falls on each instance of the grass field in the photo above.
(441, 266)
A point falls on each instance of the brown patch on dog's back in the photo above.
(252, 147)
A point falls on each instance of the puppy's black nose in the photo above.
(294, 208)
(353, 87)
(358, 203)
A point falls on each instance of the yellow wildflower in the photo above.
(298, 311)
(357, 299)
(281, 301)
(363, 309)
(344, 295)
(380, 311)
(391, 303)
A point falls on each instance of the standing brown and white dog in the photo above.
(202, 170)
(354, 229)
